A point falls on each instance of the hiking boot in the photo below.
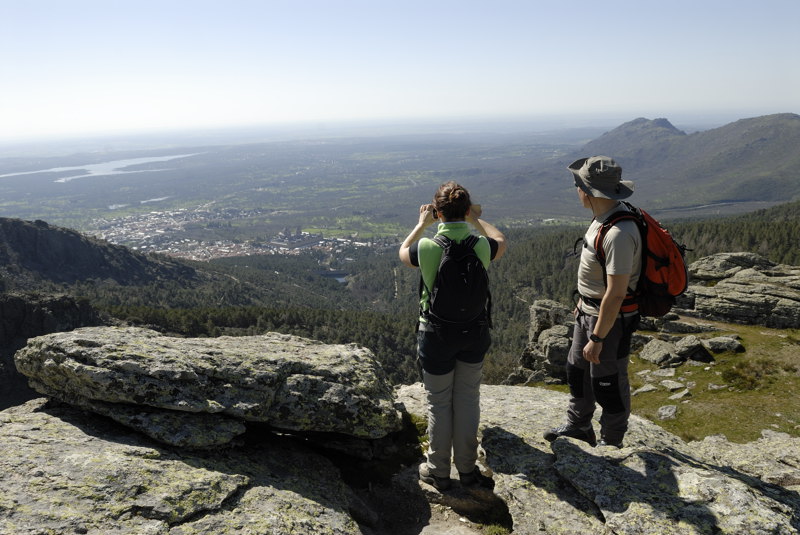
(568, 430)
(604, 442)
(437, 482)
(475, 478)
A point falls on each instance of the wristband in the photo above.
(594, 338)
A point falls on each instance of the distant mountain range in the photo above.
(742, 166)
(754, 159)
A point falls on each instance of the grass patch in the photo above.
(494, 529)
(755, 374)
(738, 396)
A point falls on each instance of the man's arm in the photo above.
(616, 290)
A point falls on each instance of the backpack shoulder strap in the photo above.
(442, 241)
(633, 214)
(471, 241)
(610, 221)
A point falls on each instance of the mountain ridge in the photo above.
(32, 251)
(750, 159)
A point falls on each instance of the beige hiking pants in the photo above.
(453, 417)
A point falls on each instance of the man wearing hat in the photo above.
(597, 365)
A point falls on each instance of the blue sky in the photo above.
(76, 66)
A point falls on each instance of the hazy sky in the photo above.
(76, 66)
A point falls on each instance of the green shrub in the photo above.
(494, 529)
(751, 374)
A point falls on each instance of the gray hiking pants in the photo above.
(606, 383)
(453, 418)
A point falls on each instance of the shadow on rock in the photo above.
(789, 499)
(633, 491)
(477, 504)
(642, 490)
(634, 488)
(527, 479)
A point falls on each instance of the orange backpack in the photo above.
(663, 275)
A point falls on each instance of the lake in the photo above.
(114, 167)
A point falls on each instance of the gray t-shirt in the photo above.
(623, 247)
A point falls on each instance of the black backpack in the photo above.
(460, 295)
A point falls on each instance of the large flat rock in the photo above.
(159, 384)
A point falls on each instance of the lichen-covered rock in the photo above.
(747, 289)
(667, 412)
(68, 471)
(723, 265)
(646, 491)
(685, 327)
(720, 344)
(672, 323)
(555, 343)
(774, 458)
(549, 339)
(546, 314)
(288, 382)
(647, 387)
(672, 385)
(64, 471)
(512, 422)
(183, 429)
(692, 348)
(660, 353)
(655, 484)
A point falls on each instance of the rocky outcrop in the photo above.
(549, 337)
(200, 392)
(671, 323)
(65, 471)
(744, 288)
(33, 251)
(656, 484)
(688, 348)
(741, 288)
(68, 471)
(773, 459)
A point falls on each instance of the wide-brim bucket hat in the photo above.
(600, 176)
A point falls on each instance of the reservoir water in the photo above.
(114, 167)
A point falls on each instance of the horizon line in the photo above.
(520, 122)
